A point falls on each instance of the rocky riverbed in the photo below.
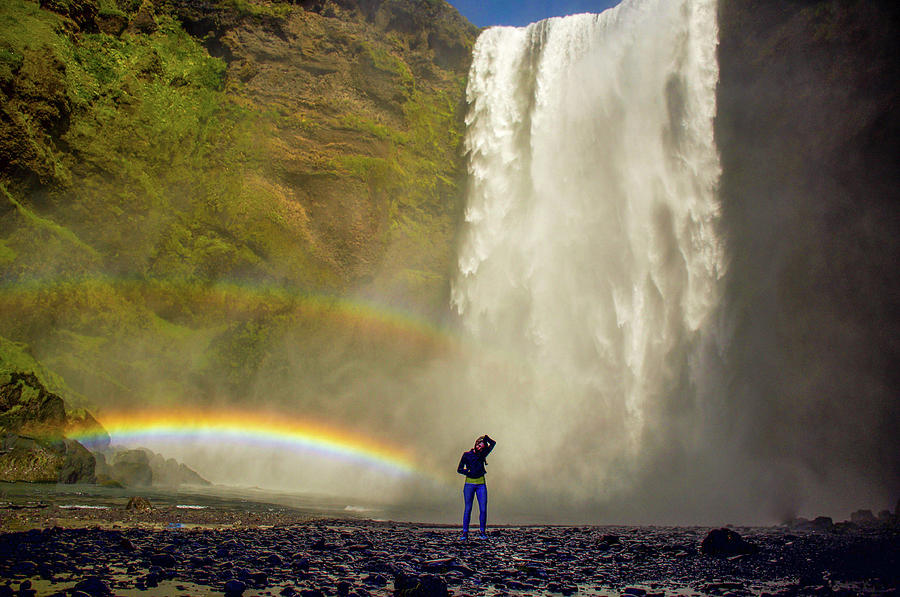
(276, 552)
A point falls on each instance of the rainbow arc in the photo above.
(254, 429)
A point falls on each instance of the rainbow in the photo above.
(254, 429)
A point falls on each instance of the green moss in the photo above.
(355, 122)
(277, 10)
(23, 25)
(15, 358)
(170, 184)
(42, 224)
(7, 255)
(109, 8)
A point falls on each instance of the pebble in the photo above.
(164, 560)
(360, 558)
(234, 588)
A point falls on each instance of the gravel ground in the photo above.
(277, 551)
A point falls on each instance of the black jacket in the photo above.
(472, 464)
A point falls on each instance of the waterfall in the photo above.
(590, 258)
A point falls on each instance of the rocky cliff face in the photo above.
(178, 179)
(314, 145)
(809, 134)
(34, 421)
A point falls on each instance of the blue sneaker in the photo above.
(463, 537)
(482, 536)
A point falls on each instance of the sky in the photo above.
(485, 13)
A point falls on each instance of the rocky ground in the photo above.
(276, 551)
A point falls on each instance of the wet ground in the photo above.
(264, 549)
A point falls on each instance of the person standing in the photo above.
(472, 466)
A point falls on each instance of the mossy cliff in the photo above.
(181, 183)
(279, 143)
(34, 422)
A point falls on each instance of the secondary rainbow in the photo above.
(249, 428)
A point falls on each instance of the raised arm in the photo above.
(489, 445)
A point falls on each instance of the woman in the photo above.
(472, 466)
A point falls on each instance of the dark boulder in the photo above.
(94, 586)
(726, 543)
(428, 585)
(138, 504)
(234, 588)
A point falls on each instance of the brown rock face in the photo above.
(27, 407)
(36, 460)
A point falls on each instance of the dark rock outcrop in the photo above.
(863, 517)
(34, 420)
(82, 12)
(726, 543)
(820, 523)
(809, 133)
(169, 472)
(26, 405)
(143, 467)
(132, 468)
(41, 460)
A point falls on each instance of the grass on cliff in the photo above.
(16, 359)
(158, 194)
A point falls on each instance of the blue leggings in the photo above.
(470, 490)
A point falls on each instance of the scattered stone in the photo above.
(437, 565)
(25, 568)
(94, 586)
(428, 585)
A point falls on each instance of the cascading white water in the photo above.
(590, 257)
